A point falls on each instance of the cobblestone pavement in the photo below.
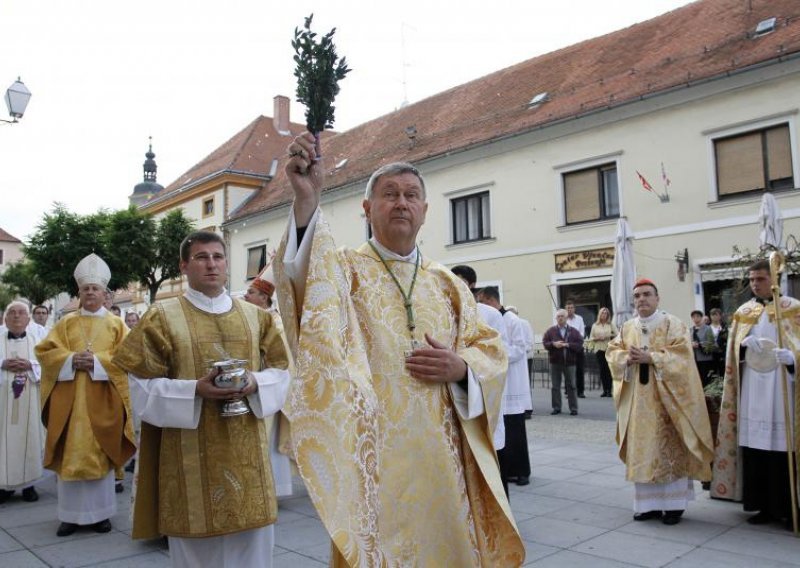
(575, 512)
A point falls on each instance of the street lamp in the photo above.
(17, 97)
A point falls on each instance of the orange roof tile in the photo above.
(7, 237)
(700, 41)
(250, 151)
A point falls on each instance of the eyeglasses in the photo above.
(203, 257)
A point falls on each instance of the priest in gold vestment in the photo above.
(398, 385)
(663, 431)
(205, 480)
(86, 404)
(751, 463)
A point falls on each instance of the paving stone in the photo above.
(572, 559)
(633, 549)
(8, 543)
(21, 559)
(89, 552)
(536, 551)
(767, 545)
(708, 558)
(689, 530)
(537, 504)
(570, 490)
(594, 515)
(556, 533)
(146, 560)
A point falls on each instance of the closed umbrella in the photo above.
(770, 229)
(624, 274)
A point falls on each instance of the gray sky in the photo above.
(105, 75)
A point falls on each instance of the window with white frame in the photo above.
(591, 194)
(256, 260)
(754, 161)
(471, 217)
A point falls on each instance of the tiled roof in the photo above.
(702, 40)
(7, 237)
(249, 151)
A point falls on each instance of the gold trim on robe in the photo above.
(89, 423)
(663, 430)
(206, 481)
(727, 482)
(396, 475)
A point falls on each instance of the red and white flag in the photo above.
(645, 183)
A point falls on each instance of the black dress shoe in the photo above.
(66, 529)
(131, 466)
(4, 495)
(30, 495)
(647, 516)
(672, 517)
(118, 488)
(523, 480)
(555, 411)
(761, 518)
(573, 412)
(102, 526)
(528, 414)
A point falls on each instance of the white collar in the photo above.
(98, 314)
(655, 317)
(389, 255)
(218, 305)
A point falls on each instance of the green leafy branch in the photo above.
(318, 71)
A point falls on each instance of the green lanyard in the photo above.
(406, 297)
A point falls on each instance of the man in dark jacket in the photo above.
(563, 343)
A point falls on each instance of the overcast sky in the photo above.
(105, 75)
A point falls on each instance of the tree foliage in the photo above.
(318, 71)
(131, 242)
(7, 296)
(22, 280)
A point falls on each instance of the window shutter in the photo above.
(581, 196)
(779, 153)
(740, 164)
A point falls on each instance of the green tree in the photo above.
(7, 296)
(135, 246)
(61, 240)
(147, 249)
(22, 280)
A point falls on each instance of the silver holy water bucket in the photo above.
(232, 375)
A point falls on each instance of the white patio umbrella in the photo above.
(624, 274)
(770, 229)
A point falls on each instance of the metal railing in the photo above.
(541, 370)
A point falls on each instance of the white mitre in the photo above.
(92, 270)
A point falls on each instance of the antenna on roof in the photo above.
(405, 64)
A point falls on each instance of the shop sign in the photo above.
(585, 260)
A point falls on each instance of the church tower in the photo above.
(148, 188)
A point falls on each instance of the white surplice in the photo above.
(21, 431)
(518, 386)
(168, 403)
(762, 422)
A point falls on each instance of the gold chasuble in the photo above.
(397, 476)
(89, 423)
(727, 482)
(215, 479)
(663, 431)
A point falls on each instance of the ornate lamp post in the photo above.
(17, 97)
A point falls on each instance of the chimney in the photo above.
(280, 117)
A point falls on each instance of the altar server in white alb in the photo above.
(21, 430)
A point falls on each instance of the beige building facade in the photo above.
(535, 212)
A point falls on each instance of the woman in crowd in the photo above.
(602, 332)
